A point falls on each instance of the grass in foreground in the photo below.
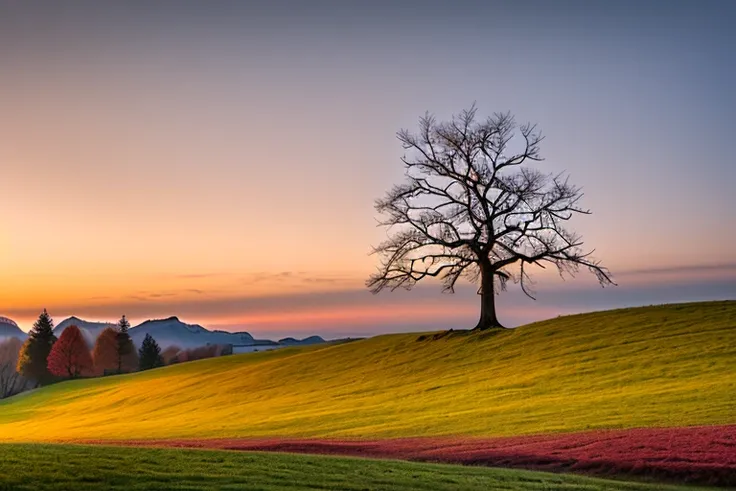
(57, 467)
(654, 366)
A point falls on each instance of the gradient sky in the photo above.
(219, 160)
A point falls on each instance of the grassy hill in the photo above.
(654, 366)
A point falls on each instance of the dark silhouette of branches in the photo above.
(470, 207)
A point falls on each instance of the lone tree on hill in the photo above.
(33, 356)
(470, 208)
(70, 358)
(149, 356)
(126, 358)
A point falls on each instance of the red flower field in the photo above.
(703, 454)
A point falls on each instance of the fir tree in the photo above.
(126, 359)
(123, 325)
(33, 356)
(149, 356)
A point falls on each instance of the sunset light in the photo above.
(488, 244)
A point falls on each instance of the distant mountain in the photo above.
(173, 332)
(301, 342)
(264, 342)
(9, 329)
(90, 330)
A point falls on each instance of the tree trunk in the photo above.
(488, 319)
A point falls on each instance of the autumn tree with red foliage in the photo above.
(70, 357)
(105, 353)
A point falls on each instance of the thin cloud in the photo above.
(161, 295)
(196, 276)
(296, 277)
(146, 296)
(333, 280)
(263, 277)
(692, 268)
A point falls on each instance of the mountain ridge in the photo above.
(171, 331)
(307, 340)
(90, 330)
(9, 329)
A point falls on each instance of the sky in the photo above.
(219, 160)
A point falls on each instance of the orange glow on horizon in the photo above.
(333, 315)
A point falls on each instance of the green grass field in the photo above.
(38, 467)
(655, 366)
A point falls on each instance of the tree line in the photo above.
(43, 358)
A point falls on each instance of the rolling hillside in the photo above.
(654, 366)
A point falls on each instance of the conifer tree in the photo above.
(126, 359)
(123, 325)
(33, 355)
(149, 356)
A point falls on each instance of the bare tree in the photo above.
(471, 208)
(11, 382)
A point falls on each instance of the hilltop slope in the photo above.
(653, 366)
